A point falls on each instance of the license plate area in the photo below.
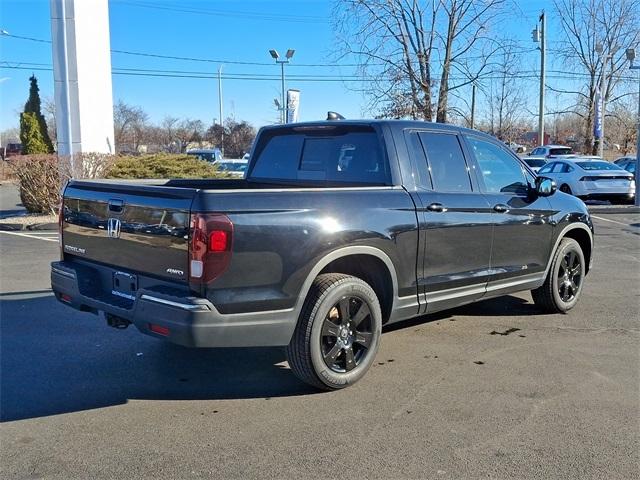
(124, 285)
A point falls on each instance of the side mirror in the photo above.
(545, 187)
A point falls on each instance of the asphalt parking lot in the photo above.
(491, 390)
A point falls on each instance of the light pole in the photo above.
(274, 54)
(220, 105)
(540, 36)
(603, 79)
(631, 56)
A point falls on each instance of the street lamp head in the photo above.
(274, 54)
(290, 53)
(4, 32)
(535, 35)
(631, 54)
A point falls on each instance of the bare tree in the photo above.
(188, 131)
(505, 96)
(467, 24)
(239, 136)
(399, 43)
(394, 40)
(614, 24)
(49, 110)
(129, 126)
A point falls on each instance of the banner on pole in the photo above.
(597, 124)
(293, 105)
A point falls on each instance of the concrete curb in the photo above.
(11, 227)
(16, 227)
(613, 210)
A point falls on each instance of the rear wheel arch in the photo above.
(373, 271)
(584, 239)
(376, 268)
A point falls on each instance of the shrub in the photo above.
(162, 165)
(39, 179)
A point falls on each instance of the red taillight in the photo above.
(159, 329)
(210, 246)
(60, 225)
(218, 241)
(65, 298)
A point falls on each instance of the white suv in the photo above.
(551, 151)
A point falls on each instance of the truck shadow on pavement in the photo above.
(55, 360)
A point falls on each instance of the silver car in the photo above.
(591, 179)
(551, 151)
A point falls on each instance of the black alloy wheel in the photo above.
(346, 334)
(569, 276)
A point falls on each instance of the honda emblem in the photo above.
(113, 228)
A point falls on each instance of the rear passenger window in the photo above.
(447, 165)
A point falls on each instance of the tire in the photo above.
(561, 289)
(564, 188)
(320, 332)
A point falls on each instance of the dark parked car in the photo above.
(11, 150)
(339, 228)
(629, 163)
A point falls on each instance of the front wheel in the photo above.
(566, 189)
(338, 332)
(562, 288)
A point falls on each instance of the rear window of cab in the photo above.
(337, 155)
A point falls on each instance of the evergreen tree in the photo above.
(31, 135)
(33, 126)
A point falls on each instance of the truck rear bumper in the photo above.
(191, 321)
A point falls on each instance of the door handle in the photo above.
(500, 208)
(436, 207)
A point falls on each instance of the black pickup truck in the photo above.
(339, 228)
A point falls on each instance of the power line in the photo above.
(240, 62)
(196, 59)
(524, 75)
(229, 13)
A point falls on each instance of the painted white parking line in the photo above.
(612, 221)
(30, 235)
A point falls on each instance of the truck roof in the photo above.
(394, 124)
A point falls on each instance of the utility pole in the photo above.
(220, 105)
(473, 105)
(631, 56)
(284, 99)
(603, 84)
(540, 36)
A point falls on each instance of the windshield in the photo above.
(597, 166)
(560, 151)
(232, 167)
(535, 163)
(206, 156)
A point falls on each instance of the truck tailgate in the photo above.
(136, 228)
